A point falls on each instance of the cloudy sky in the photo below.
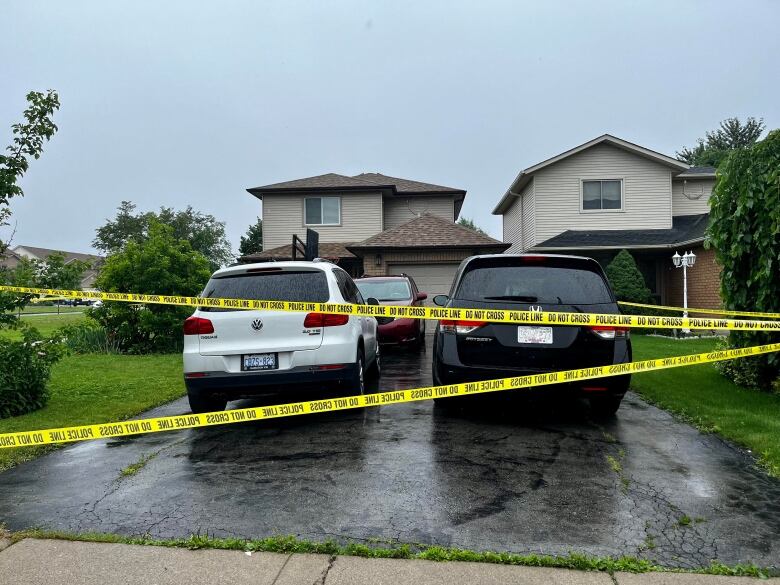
(177, 103)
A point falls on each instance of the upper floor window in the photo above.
(601, 195)
(322, 210)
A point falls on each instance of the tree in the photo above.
(731, 135)
(743, 230)
(160, 263)
(27, 143)
(204, 233)
(469, 223)
(252, 242)
(627, 281)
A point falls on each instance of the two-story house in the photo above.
(12, 257)
(373, 224)
(610, 194)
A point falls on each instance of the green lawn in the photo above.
(98, 388)
(701, 396)
(36, 308)
(46, 324)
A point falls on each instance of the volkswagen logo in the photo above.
(535, 308)
(257, 324)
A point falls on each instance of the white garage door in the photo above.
(434, 279)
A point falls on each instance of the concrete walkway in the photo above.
(43, 562)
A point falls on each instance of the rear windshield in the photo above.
(384, 290)
(533, 284)
(290, 285)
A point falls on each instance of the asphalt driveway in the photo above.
(533, 479)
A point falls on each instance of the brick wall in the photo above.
(703, 282)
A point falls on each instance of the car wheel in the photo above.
(376, 367)
(200, 404)
(357, 382)
(604, 406)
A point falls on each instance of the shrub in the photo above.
(744, 220)
(159, 264)
(25, 372)
(626, 279)
(89, 337)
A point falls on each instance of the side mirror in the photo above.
(372, 301)
(422, 296)
(440, 300)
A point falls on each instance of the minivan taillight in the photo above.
(608, 332)
(324, 320)
(198, 326)
(462, 327)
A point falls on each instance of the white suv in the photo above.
(235, 353)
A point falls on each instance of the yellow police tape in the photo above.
(705, 311)
(189, 421)
(416, 312)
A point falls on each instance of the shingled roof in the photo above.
(326, 250)
(429, 231)
(686, 229)
(363, 181)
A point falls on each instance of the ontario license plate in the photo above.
(258, 361)
(540, 335)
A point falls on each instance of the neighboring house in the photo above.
(13, 256)
(372, 224)
(609, 194)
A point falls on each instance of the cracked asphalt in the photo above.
(525, 477)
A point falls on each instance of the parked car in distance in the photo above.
(236, 353)
(466, 351)
(396, 290)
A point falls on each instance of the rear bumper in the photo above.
(233, 386)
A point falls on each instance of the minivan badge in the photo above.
(257, 324)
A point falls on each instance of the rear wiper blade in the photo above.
(521, 298)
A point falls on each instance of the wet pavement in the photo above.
(532, 478)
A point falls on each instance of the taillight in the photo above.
(462, 327)
(609, 332)
(324, 320)
(198, 326)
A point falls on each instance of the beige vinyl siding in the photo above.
(399, 211)
(647, 193)
(513, 227)
(361, 218)
(682, 205)
(529, 214)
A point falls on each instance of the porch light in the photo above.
(685, 261)
(378, 259)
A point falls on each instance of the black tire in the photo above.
(201, 404)
(357, 381)
(375, 371)
(604, 406)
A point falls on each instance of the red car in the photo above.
(396, 290)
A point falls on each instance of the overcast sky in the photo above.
(177, 103)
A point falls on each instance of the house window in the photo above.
(601, 195)
(322, 210)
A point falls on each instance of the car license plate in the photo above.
(258, 361)
(540, 335)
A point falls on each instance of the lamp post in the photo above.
(685, 261)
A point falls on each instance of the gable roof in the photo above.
(326, 250)
(525, 175)
(429, 231)
(406, 185)
(43, 253)
(697, 172)
(685, 230)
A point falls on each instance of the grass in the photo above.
(134, 468)
(46, 324)
(35, 308)
(702, 397)
(290, 544)
(96, 388)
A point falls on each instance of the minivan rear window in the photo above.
(533, 284)
(309, 286)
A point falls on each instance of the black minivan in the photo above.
(466, 351)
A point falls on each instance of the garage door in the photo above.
(434, 279)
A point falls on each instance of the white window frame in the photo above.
(321, 197)
(622, 196)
